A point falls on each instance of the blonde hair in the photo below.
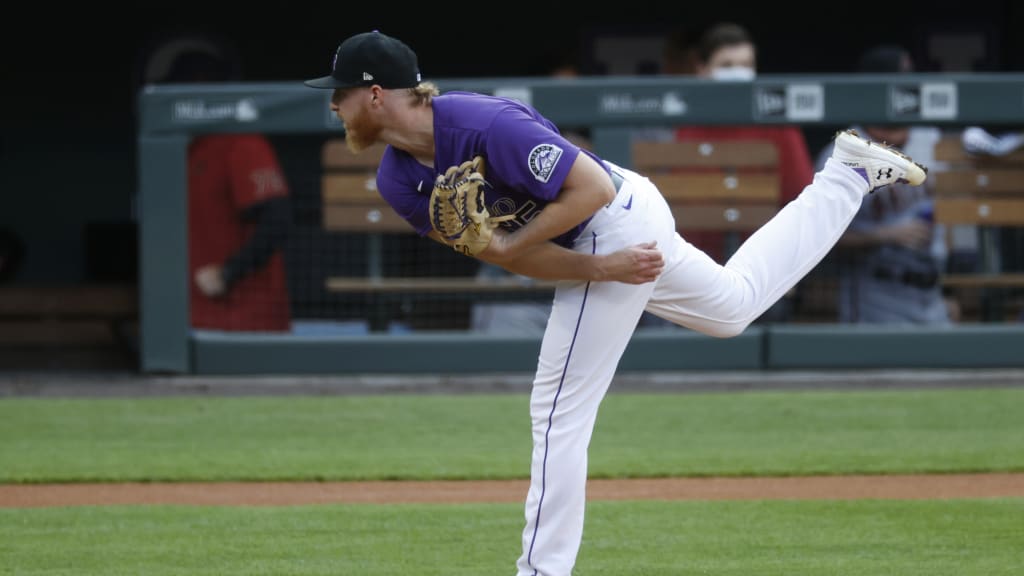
(424, 93)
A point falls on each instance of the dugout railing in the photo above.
(612, 108)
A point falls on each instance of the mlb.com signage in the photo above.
(625, 103)
(198, 110)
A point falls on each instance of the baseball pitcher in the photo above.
(495, 180)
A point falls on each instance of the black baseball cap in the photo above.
(371, 58)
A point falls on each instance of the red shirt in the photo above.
(795, 168)
(226, 175)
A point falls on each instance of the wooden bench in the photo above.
(986, 192)
(729, 186)
(39, 324)
(349, 190)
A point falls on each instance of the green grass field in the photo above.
(484, 436)
(488, 436)
(913, 538)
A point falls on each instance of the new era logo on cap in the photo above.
(371, 58)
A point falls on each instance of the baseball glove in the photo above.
(458, 211)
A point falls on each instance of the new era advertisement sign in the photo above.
(795, 102)
(927, 101)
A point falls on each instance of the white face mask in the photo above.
(733, 73)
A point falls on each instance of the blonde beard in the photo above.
(356, 143)
(360, 134)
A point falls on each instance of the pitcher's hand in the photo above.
(636, 264)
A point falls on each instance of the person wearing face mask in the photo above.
(726, 53)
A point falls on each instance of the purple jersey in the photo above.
(526, 160)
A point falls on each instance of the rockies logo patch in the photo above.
(543, 159)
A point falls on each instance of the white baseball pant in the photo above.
(592, 322)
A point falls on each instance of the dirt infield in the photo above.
(288, 493)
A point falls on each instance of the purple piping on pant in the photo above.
(551, 416)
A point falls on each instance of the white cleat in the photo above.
(879, 164)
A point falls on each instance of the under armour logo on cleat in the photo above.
(887, 171)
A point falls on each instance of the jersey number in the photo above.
(523, 214)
